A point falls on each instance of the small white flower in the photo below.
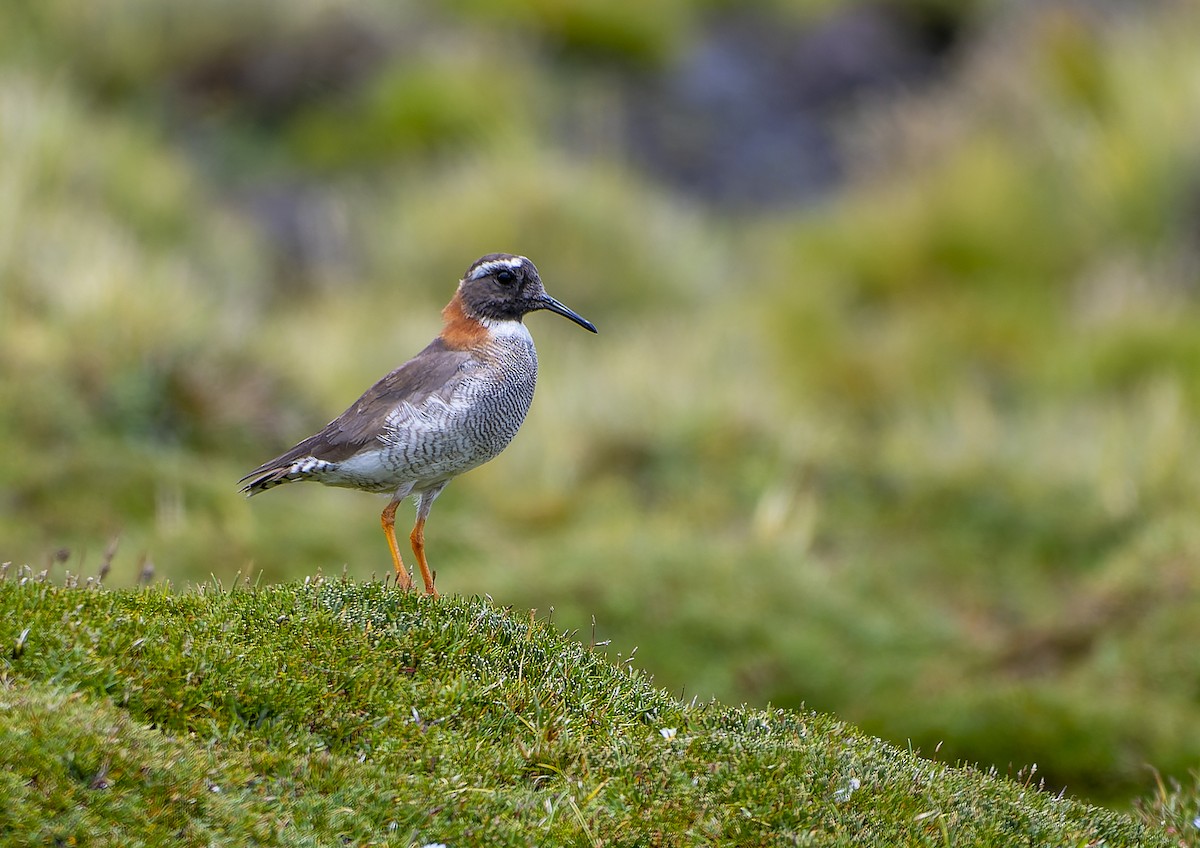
(667, 732)
(843, 794)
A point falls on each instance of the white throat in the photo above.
(506, 328)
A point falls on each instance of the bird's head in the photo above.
(503, 287)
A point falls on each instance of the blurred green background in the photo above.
(891, 411)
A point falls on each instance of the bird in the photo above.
(452, 407)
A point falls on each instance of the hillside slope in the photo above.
(335, 712)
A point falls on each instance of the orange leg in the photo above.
(417, 537)
(388, 519)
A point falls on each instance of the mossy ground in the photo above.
(337, 712)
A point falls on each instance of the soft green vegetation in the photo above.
(923, 456)
(345, 713)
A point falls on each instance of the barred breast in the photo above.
(446, 436)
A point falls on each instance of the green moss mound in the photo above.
(336, 712)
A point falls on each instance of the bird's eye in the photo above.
(505, 277)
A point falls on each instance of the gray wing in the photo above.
(431, 374)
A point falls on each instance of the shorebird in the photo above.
(452, 407)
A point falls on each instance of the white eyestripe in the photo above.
(494, 265)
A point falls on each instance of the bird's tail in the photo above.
(296, 464)
(265, 477)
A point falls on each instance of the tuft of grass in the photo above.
(1174, 807)
(342, 711)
